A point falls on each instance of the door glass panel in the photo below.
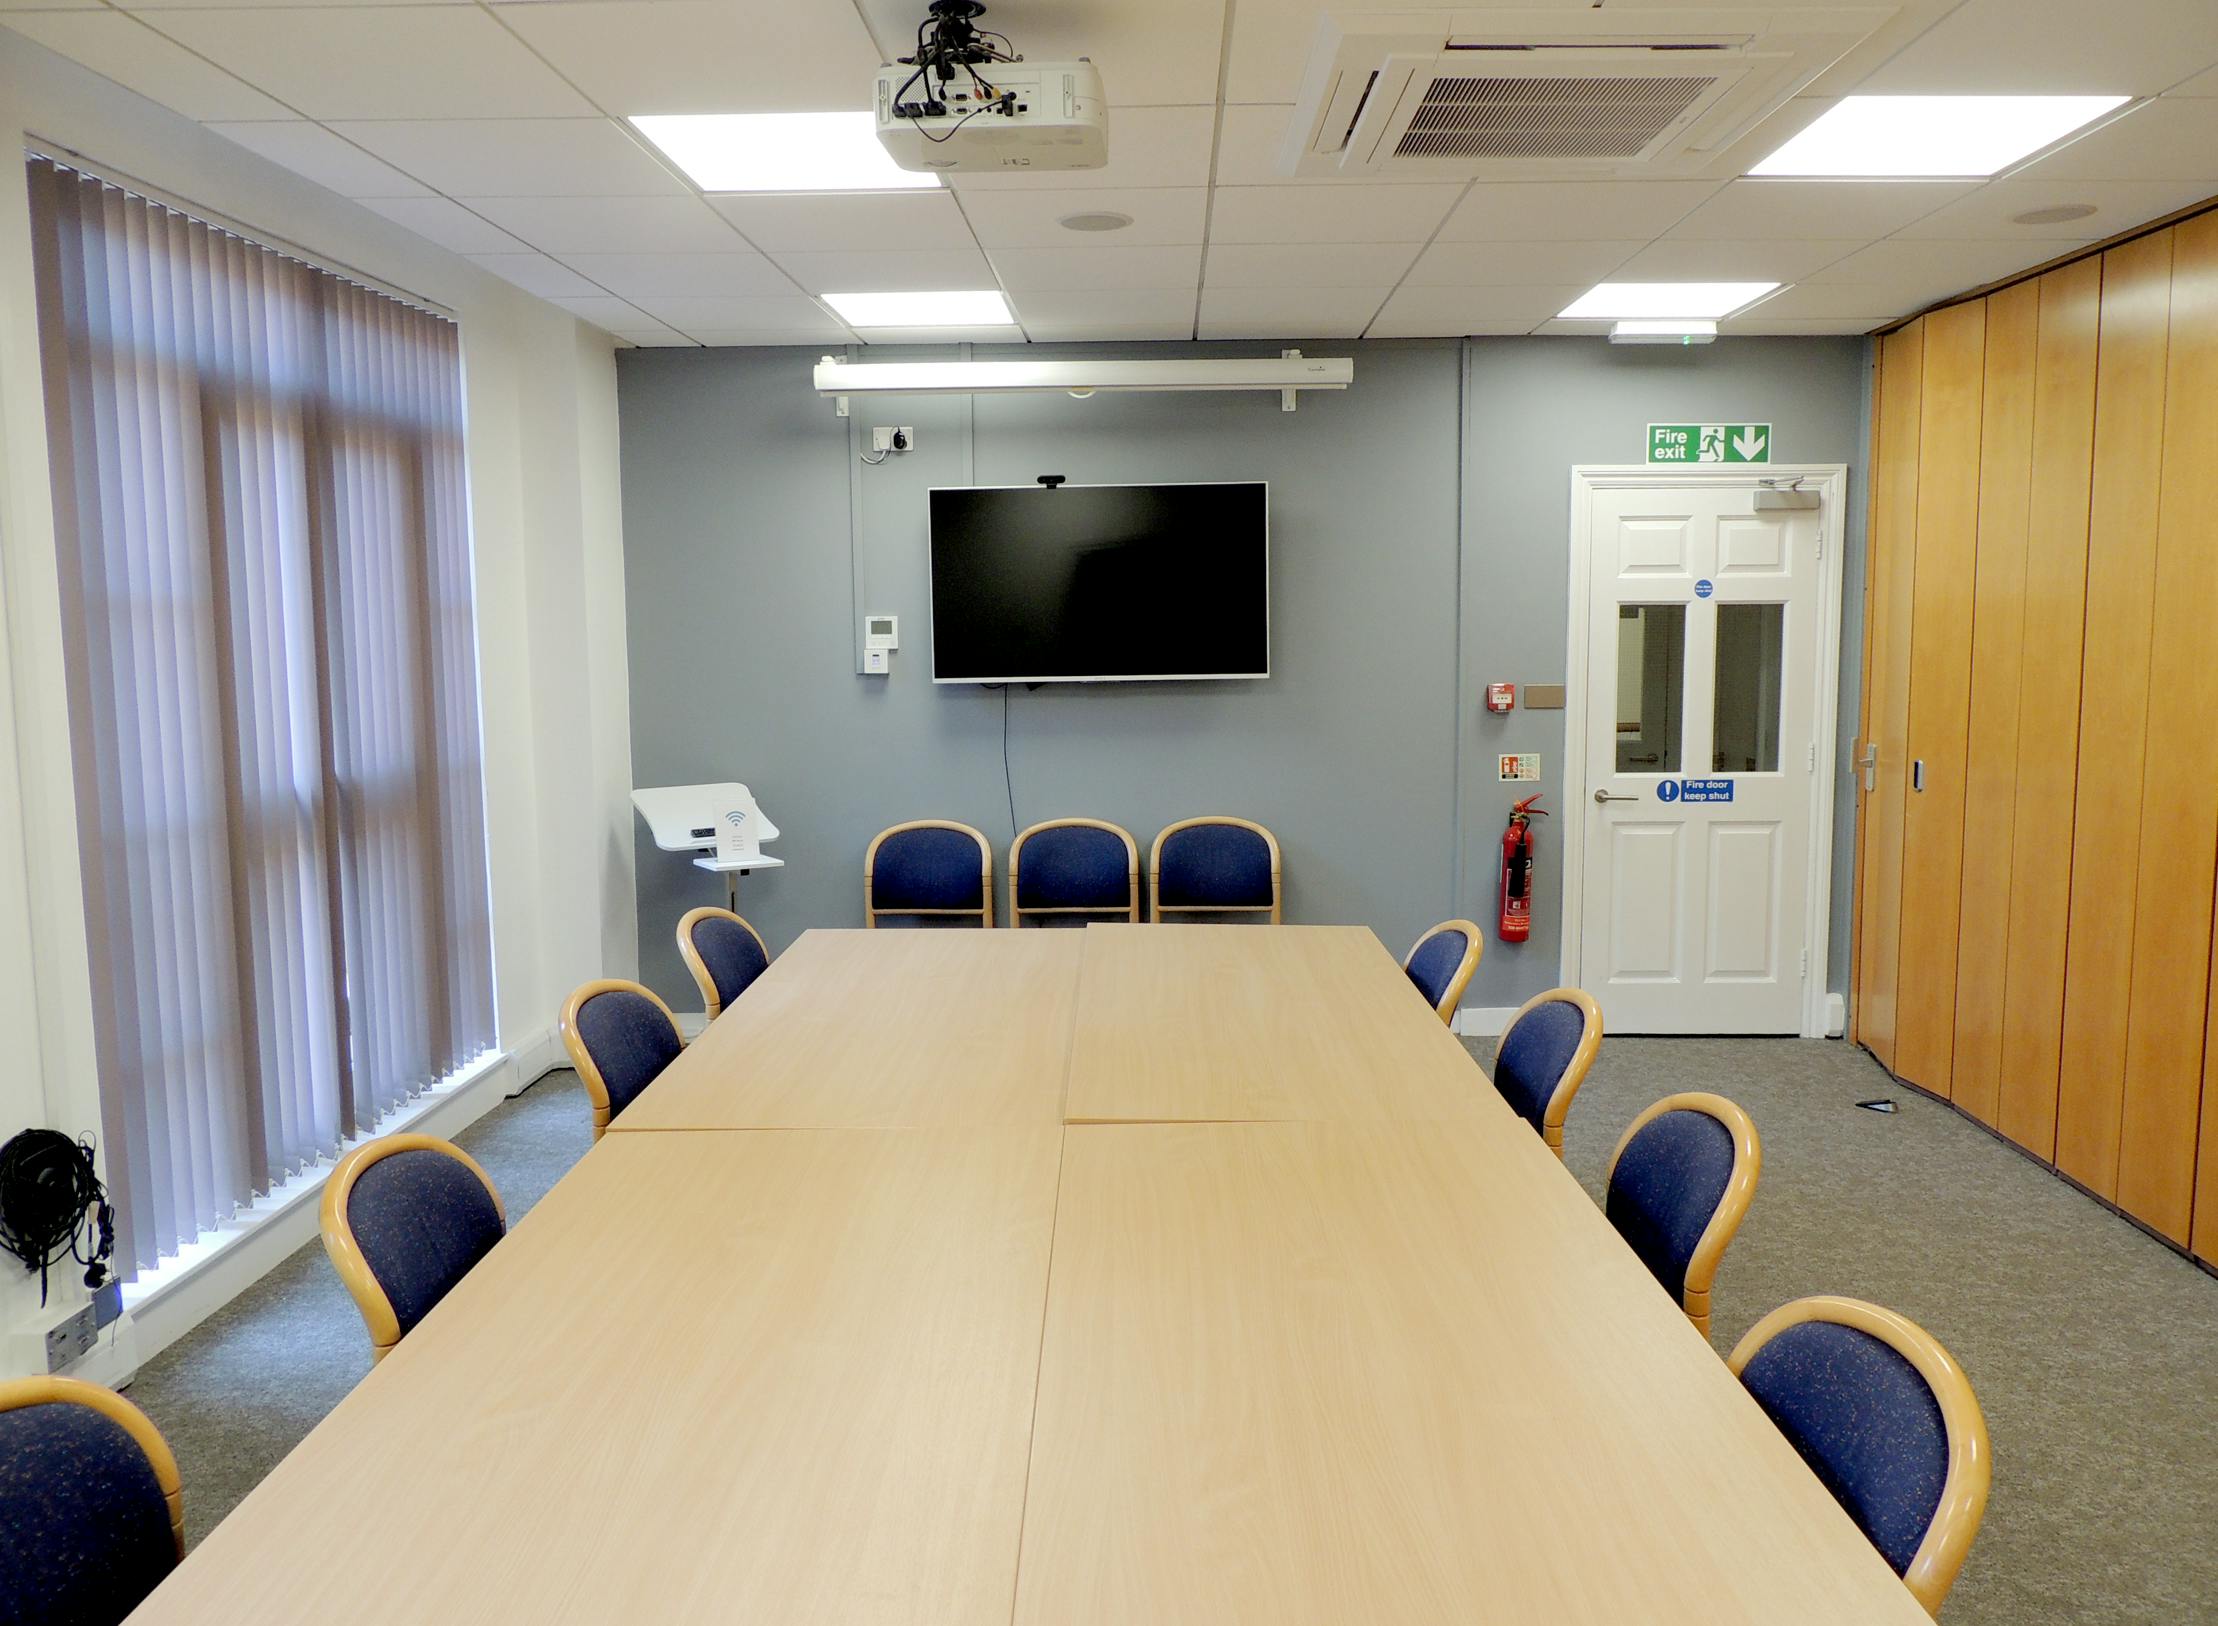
(1749, 654)
(1651, 662)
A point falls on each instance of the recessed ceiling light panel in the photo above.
(1653, 301)
(779, 152)
(973, 307)
(1931, 137)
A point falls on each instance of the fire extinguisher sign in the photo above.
(1695, 790)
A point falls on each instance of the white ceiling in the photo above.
(493, 128)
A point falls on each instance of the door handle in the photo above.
(1870, 765)
(1602, 796)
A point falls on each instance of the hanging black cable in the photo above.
(48, 1191)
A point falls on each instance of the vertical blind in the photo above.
(264, 543)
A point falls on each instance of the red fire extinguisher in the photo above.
(1517, 871)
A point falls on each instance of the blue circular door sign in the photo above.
(1704, 588)
(1668, 791)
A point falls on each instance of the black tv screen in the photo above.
(1088, 584)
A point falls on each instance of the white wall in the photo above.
(549, 551)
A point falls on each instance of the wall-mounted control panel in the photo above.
(881, 637)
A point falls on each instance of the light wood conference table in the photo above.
(1204, 1023)
(1322, 1365)
(859, 1028)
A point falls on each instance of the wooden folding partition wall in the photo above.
(2039, 830)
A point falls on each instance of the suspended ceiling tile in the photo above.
(1674, 261)
(1542, 212)
(803, 318)
(1439, 312)
(1526, 265)
(126, 50)
(1838, 301)
(766, 338)
(448, 224)
(328, 160)
(1148, 146)
(736, 275)
(1124, 313)
(1795, 326)
(1271, 41)
(1309, 265)
(512, 158)
(1010, 334)
(1287, 313)
(885, 271)
(535, 274)
(1151, 53)
(566, 226)
(1991, 212)
(1922, 272)
(1076, 269)
(1328, 214)
(2175, 139)
(2054, 47)
(1770, 211)
(618, 316)
(704, 56)
(379, 62)
(845, 222)
(1160, 215)
(2203, 84)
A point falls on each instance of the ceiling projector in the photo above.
(966, 105)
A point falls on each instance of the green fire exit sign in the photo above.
(1709, 443)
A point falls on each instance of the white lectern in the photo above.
(721, 820)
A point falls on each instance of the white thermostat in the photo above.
(881, 632)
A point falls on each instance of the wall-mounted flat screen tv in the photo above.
(1101, 584)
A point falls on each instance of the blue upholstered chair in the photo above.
(404, 1219)
(723, 952)
(1065, 872)
(1887, 1421)
(1678, 1186)
(89, 1498)
(620, 1037)
(1442, 962)
(930, 872)
(1544, 1055)
(1214, 866)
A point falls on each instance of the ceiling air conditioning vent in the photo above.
(1545, 95)
(1497, 117)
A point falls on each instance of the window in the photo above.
(264, 547)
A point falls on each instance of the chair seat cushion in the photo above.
(1666, 1188)
(1074, 866)
(87, 1528)
(932, 868)
(1220, 866)
(421, 1219)
(1865, 1421)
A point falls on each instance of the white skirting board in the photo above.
(1483, 1021)
(157, 1314)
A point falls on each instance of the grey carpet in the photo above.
(2091, 1346)
(241, 1389)
(2094, 1349)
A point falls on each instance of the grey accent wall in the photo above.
(1536, 408)
(1420, 527)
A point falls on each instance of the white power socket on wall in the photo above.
(902, 439)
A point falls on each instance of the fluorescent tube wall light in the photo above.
(1664, 301)
(779, 152)
(970, 307)
(1930, 137)
(1663, 332)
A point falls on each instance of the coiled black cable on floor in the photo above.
(48, 1191)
